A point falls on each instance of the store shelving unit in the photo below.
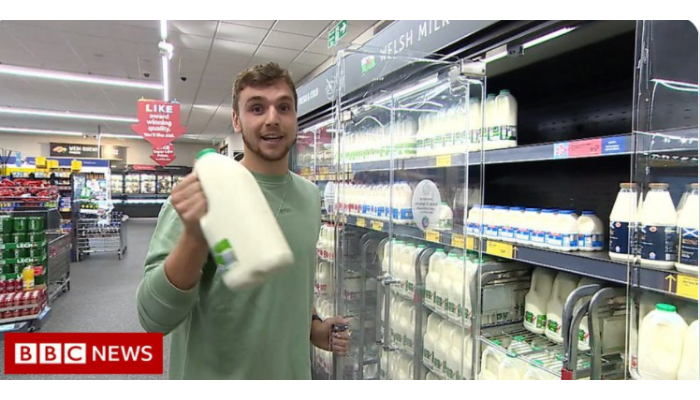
(579, 135)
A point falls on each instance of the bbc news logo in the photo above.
(83, 353)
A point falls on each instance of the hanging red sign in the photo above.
(164, 155)
(159, 122)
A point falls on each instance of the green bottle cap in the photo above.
(666, 307)
(204, 152)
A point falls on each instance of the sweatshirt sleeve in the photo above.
(161, 305)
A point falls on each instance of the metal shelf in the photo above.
(596, 265)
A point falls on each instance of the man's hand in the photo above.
(190, 203)
(323, 337)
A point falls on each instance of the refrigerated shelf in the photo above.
(596, 265)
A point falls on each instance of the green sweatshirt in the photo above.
(257, 333)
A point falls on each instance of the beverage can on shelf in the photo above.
(20, 224)
(6, 224)
(19, 237)
(35, 224)
(36, 237)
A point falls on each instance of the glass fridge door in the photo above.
(403, 190)
(663, 271)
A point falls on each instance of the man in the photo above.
(263, 332)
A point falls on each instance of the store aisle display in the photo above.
(102, 299)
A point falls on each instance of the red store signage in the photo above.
(159, 122)
(83, 353)
(164, 155)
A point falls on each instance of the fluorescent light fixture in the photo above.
(426, 83)
(64, 114)
(163, 29)
(678, 86)
(118, 136)
(503, 53)
(71, 77)
(166, 77)
(39, 131)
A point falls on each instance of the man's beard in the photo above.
(256, 149)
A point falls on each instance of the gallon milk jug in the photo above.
(446, 275)
(433, 278)
(536, 374)
(688, 369)
(511, 369)
(324, 278)
(508, 119)
(447, 330)
(239, 221)
(536, 300)
(467, 357)
(490, 362)
(431, 337)
(454, 296)
(688, 221)
(623, 222)
(453, 370)
(583, 332)
(590, 232)
(661, 339)
(491, 135)
(564, 284)
(474, 124)
(432, 377)
(474, 221)
(658, 232)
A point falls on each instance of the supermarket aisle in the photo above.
(103, 298)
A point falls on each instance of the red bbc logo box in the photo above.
(83, 353)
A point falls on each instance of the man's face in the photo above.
(267, 120)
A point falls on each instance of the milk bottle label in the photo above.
(508, 132)
(659, 242)
(553, 326)
(688, 246)
(403, 214)
(537, 237)
(494, 133)
(506, 232)
(427, 355)
(522, 234)
(408, 342)
(491, 230)
(448, 139)
(590, 241)
(438, 141)
(583, 337)
(223, 255)
(475, 136)
(619, 237)
(449, 372)
(428, 296)
(555, 239)
(537, 321)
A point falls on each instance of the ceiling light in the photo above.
(426, 83)
(163, 29)
(118, 136)
(40, 131)
(65, 114)
(71, 77)
(165, 63)
(503, 53)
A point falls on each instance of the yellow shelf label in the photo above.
(361, 222)
(458, 240)
(471, 243)
(499, 249)
(377, 225)
(444, 161)
(40, 162)
(687, 286)
(52, 164)
(432, 236)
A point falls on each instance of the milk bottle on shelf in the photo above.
(455, 356)
(658, 232)
(623, 223)
(546, 228)
(447, 331)
(688, 369)
(474, 124)
(411, 271)
(239, 227)
(430, 337)
(410, 133)
(407, 323)
(508, 119)
(509, 221)
(538, 231)
(474, 221)
(565, 231)
(490, 362)
(445, 221)
(564, 284)
(432, 280)
(688, 233)
(491, 135)
(661, 337)
(446, 275)
(467, 357)
(511, 368)
(590, 232)
(456, 292)
(537, 298)
(487, 220)
(536, 374)
(681, 203)
(525, 224)
(324, 279)
(584, 334)
(403, 197)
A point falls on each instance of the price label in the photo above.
(432, 236)
(40, 162)
(52, 164)
(458, 241)
(499, 249)
(361, 222)
(444, 161)
(585, 148)
(377, 225)
(471, 243)
(687, 286)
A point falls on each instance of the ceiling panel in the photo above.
(239, 33)
(288, 40)
(150, 24)
(135, 34)
(24, 30)
(308, 28)
(276, 54)
(181, 40)
(320, 46)
(200, 28)
(362, 23)
(228, 51)
(255, 24)
(299, 71)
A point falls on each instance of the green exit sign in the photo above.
(336, 33)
